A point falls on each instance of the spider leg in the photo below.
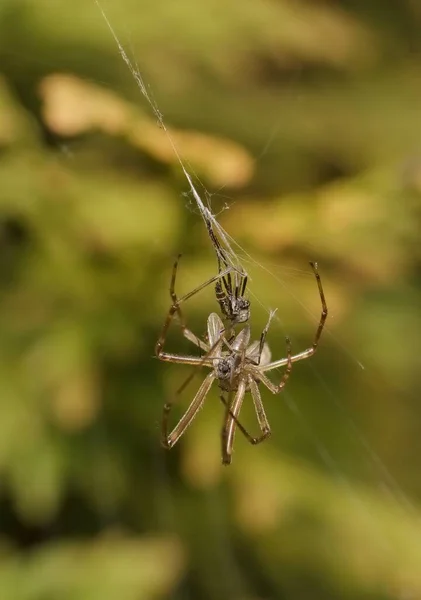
(260, 412)
(323, 316)
(204, 361)
(168, 440)
(224, 281)
(228, 283)
(175, 309)
(213, 353)
(258, 373)
(218, 249)
(310, 351)
(255, 350)
(231, 420)
(243, 289)
(192, 337)
(243, 430)
(263, 336)
(226, 294)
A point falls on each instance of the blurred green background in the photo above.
(301, 122)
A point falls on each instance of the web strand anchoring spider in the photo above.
(236, 364)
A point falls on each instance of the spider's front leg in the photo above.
(312, 349)
(175, 309)
(259, 372)
(324, 313)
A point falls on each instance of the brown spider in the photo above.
(236, 364)
(230, 296)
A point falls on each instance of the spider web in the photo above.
(205, 210)
(238, 257)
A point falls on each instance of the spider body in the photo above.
(229, 295)
(227, 366)
(233, 364)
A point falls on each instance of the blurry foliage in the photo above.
(301, 117)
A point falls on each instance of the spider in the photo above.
(236, 365)
(234, 306)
